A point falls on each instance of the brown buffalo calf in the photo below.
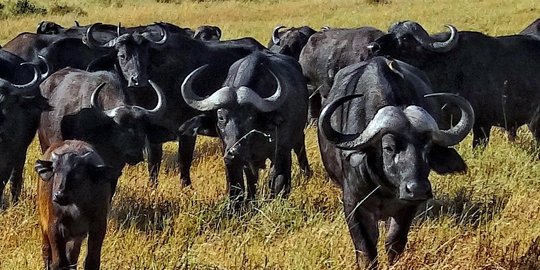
(74, 196)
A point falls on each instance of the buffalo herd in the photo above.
(389, 106)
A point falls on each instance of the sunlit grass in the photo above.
(484, 219)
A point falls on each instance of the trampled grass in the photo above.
(484, 219)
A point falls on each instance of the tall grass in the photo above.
(484, 219)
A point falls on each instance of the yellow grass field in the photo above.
(488, 218)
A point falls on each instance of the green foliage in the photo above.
(25, 7)
(60, 9)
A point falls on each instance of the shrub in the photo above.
(24, 7)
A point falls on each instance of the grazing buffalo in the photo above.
(533, 29)
(290, 41)
(379, 139)
(261, 110)
(497, 75)
(74, 198)
(90, 106)
(20, 109)
(329, 51)
(207, 33)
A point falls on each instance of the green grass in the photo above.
(484, 219)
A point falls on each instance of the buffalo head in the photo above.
(409, 42)
(73, 174)
(290, 41)
(398, 142)
(241, 113)
(132, 51)
(123, 128)
(207, 33)
(49, 28)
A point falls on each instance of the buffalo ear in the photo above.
(44, 168)
(86, 125)
(190, 127)
(444, 160)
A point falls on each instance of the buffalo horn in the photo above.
(275, 34)
(90, 41)
(457, 133)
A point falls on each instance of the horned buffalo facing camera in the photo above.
(261, 113)
(74, 197)
(379, 140)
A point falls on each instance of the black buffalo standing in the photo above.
(497, 75)
(379, 140)
(532, 30)
(20, 108)
(261, 111)
(91, 107)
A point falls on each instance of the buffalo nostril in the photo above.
(58, 197)
(134, 80)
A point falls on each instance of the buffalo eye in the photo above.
(122, 56)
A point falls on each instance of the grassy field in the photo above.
(487, 218)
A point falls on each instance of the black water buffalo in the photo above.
(129, 52)
(169, 66)
(207, 33)
(532, 30)
(74, 198)
(20, 108)
(497, 75)
(291, 41)
(329, 51)
(116, 130)
(379, 139)
(261, 110)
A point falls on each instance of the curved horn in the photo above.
(91, 42)
(77, 24)
(159, 109)
(216, 100)
(94, 102)
(162, 32)
(31, 88)
(431, 44)
(47, 66)
(325, 126)
(457, 133)
(449, 44)
(246, 95)
(275, 34)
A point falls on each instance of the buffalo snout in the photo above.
(413, 190)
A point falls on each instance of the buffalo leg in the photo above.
(364, 232)
(235, 183)
(397, 233)
(280, 177)
(481, 135)
(46, 250)
(16, 178)
(95, 241)
(186, 146)
(314, 108)
(252, 177)
(73, 249)
(155, 153)
(300, 151)
(512, 133)
(58, 248)
(4, 177)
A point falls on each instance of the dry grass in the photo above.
(484, 219)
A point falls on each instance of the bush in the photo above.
(377, 2)
(24, 7)
(59, 9)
